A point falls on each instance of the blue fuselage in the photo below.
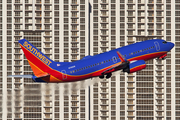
(91, 65)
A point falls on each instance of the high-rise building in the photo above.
(59, 28)
(153, 93)
(68, 30)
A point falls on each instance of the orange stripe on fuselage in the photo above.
(47, 79)
(148, 56)
(58, 75)
(35, 69)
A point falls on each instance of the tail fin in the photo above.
(39, 63)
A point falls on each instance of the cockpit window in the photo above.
(164, 42)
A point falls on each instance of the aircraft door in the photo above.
(114, 59)
(157, 46)
(64, 75)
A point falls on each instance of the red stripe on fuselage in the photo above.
(148, 56)
(70, 78)
(39, 64)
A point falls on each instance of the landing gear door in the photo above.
(157, 46)
(64, 75)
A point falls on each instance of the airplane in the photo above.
(130, 59)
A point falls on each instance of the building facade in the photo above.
(59, 28)
(68, 30)
(153, 93)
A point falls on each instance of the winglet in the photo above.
(121, 57)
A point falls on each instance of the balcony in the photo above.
(141, 8)
(18, 2)
(103, 92)
(130, 79)
(160, 115)
(130, 75)
(18, 9)
(160, 97)
(48, 110)
(130, 97)
(131, 108)
(131, 2)
(48, 45)
(130, 102)
(28, 21)
(47, 116)
(104, 97)
(151, 2)
(28, 8)
(131, 14)
(104, 15)
(131, 91)
(131, 114)
(47, 104)
(131, 8)
(104, 103)
(104, 8)
(74, 3)
(104, 2)
(47, 2)
(141, 33)
(131, 85)
(141, 14)
(159, 91)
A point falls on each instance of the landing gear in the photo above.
(109, 75)
(163, 58)
(101, 77)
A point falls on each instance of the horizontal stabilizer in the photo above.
(42, 75)
(21, 76)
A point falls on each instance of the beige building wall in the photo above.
(61, 29)
(151, 94)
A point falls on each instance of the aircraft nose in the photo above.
(171, 45)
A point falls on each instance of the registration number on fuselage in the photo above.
(71, 67)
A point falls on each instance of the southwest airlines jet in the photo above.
(130, 58)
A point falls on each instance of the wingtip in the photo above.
(121, 57)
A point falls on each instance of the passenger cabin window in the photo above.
(140, 50)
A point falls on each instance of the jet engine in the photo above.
(135, 66)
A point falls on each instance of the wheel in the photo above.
(109, 75)
(101, 77)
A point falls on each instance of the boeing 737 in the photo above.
(130, 58)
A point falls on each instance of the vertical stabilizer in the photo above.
(39, 62)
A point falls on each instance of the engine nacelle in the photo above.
(135, 66)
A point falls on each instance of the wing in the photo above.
(124, 63)
(116, 67)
